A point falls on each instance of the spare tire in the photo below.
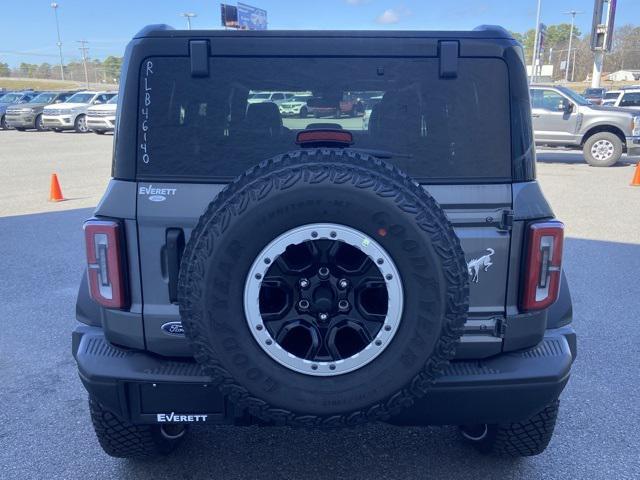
(323, 287)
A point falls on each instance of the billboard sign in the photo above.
(229, 15)
(251, 18)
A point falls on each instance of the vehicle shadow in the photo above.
(576, 157)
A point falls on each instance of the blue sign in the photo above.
(251, 18)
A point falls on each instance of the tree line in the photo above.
(98, 71)
(625, 53)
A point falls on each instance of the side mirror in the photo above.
(58, 101)
(97, 102)
(564, 106)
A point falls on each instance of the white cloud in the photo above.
(388, 17)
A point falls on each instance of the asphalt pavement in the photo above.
(45, 432)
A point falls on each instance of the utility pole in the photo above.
(573, 14)
(84, 49)
(55, 6)
(188, 16)
(536, 40)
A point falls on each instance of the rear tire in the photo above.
(3, 124)
(602, 149)
(122, 439)
(520, 439)
(304, 113)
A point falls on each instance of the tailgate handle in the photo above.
(175, 247)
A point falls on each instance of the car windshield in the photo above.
(44, 98)
(611, 95)
(81, 98)
(113, 99)
(434, 125)
(594, 91)
(576, 97)
(10, 97)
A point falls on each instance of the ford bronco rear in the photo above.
(244, 268)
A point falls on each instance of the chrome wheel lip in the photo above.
(602, 150)
(320, 231)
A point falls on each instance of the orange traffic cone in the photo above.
(636, 176)
(55, 193)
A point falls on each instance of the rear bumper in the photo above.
(144, 388)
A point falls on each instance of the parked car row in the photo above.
(305, 104)
(81, 111)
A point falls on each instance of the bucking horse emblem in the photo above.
(481, 263)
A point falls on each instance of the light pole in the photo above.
(573, 14)
(188, 16)
(54, 5)
(535, 45)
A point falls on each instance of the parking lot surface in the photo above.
(45, 430)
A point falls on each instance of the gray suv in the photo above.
(249, 269)
(562, 118)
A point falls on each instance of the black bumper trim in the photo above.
(505, 388)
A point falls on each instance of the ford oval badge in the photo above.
(173, 328)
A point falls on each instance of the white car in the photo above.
(295, 106)
(275, 97)
(72, 114)
(627, 98)
(102, 118)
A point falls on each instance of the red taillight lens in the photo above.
(104, 262)
(543, 265)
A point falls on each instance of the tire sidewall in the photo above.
(80, 118)
(617, 152)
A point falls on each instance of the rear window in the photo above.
(214, 128)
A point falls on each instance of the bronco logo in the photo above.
(475, 264)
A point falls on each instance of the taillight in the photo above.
(543, 265)
(104, 262)
(324, 136)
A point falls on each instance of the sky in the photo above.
(29, 30)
